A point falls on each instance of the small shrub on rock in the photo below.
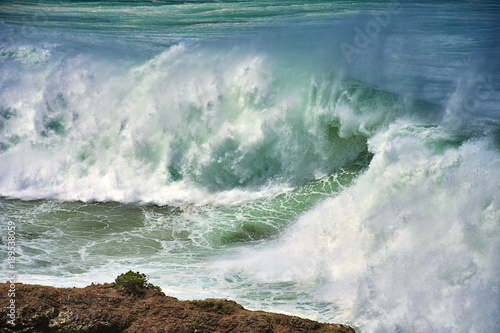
(135, 283)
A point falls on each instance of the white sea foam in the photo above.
(218, 119)
(169, 130)
(416, 235)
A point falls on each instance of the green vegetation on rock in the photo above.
(221, 306)
(134, 282)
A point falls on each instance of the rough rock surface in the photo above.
(109, 308)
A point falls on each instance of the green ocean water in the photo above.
(337, 160)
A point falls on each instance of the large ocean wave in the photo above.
(80, 128)
(337, 161)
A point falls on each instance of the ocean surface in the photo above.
(336, 160)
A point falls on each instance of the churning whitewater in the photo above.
(334, 160)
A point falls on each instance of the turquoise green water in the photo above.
(337, 160)
(131, 231)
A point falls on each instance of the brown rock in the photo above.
(108, 309)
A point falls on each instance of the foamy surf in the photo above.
(338, 161)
